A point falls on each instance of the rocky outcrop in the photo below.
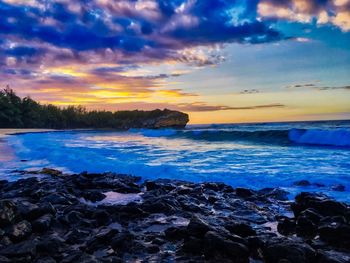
(168, 119)
(116, 218)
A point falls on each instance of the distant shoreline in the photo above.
(6, 132)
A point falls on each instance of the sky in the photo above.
(221, 61)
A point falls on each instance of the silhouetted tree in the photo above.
(27, 113)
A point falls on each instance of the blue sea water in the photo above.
(244, 155)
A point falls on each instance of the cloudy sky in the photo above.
(218, 60)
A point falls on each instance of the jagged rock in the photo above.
(302, 183)
(241, 229)
(93, 196)
(28, 210)
(52, 172)
(274, 193)
(243, 192)
(175, 233)
(322, 204)
(333, 257)
(4, 260)
(292, 251)
(20, 249)
(168, 119)
(215, 245)
(286, 226)
(42, 224)
(197, 227)
(20, 231)
(173, 221)
(338, 188)
(46, 260)
(7, 212)
(336, 233)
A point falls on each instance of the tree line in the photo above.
(16, 112)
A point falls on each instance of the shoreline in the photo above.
(7, 132)
(119, 218)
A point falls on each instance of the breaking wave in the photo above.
(336, 137)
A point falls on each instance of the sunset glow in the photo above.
(219, 61)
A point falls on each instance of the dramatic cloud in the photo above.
(96, 51)
(336, 12)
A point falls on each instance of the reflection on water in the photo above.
(238, 163)
(6, 152)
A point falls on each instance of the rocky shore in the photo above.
(116, 218)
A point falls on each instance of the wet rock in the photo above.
(215, 245)
(57, 199)
(193, 245)
(175, 233)
(286, 226)
(42, 224)
(51, 172)
(322, 204)
(243, 192)
(102, 217)
(28, 211)
(46, 260)
(93, 196)
(338, 188)
(302, 183)
(306, 228)
(7, 212)
(4, 260)
(292, 251)
(181, 221)
(319, 184)
(241, 229)
(20, 231)
(20, 249)
(335, 233)
(275, 193)
(50, 244)
(76, 236)
(329, 256)
(122, 240)
(307, 223)
(73, 217)
(197, 227)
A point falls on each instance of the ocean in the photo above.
(242, 155)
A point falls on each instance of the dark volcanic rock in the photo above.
(7, 212)
(292, 251)
(20, 249)
(197, 227)
(42, 224)
(302, 183)
(333, 257)
(338, 188)
(241, 229)
(286, 226)
(20, 231)
(50, 220)
(216, 246)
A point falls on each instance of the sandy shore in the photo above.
(5, 132)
